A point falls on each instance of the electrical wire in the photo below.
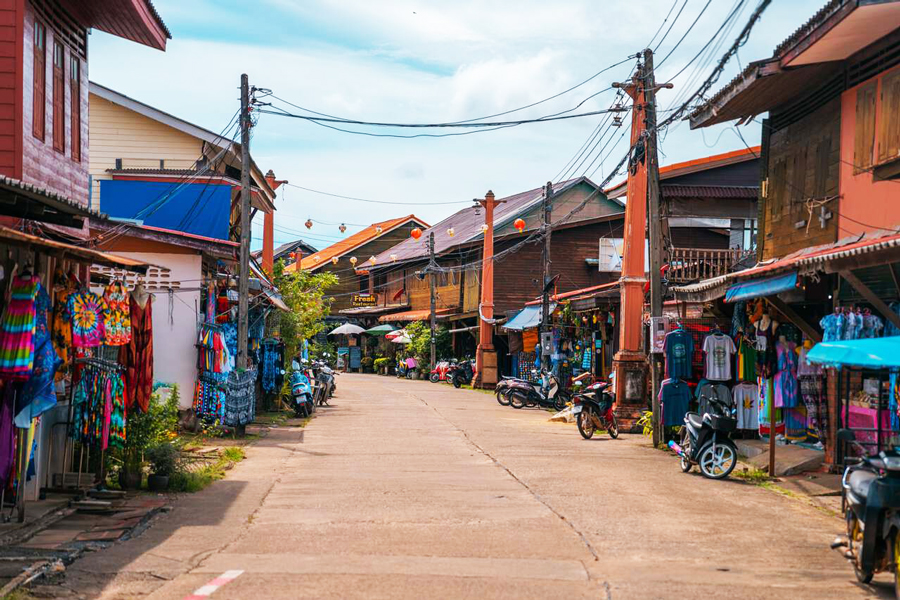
(306, 189)
(669, 30)
(689, 29)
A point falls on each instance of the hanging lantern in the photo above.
(334, 260)
(372, 260)
(308, 223)
(353, 260)
(519, 224)
(343, 228)
(378, 229)
(316, 258)
(293, 255)
(393, 258)
(416, 233)
(484, 228)
(451, 232)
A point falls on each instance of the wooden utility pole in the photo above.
(545, 260)
(431, 266)
(244, 270)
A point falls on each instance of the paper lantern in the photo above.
(308, 223)
(519, 224)
(484, 228)
(416, 233)
(378, 229)
(316, 258)
(451, 232)
(393, 258)
(334, 260)
(372, 259)
(343, 228)
(353, 260)
(293, 255)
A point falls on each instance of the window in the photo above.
(39, 81)
(363, 284)
(864, 136)
(75, 93)
(889, 123)
(59, 97)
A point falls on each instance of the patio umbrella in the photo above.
(394, 334)
(403, 338)
(347, 329)
(381, 329)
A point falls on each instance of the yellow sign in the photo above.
(364, 300)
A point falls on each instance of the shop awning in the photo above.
(381, 329)
(528, 317)
(18, 238)
(873, 353)
(761, 287)
(413, 315)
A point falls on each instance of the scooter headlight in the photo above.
(892, 463)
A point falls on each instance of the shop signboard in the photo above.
(659, 326)
(355, 357)
(359, 300)
(547, 343)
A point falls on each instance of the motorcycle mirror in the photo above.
(846, 435)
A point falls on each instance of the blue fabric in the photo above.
(876, 353)
(679, 349)
(761, 287)
(198, 208)
(891, 330)
(528, 317)
(38, 391)
(675, 396)
(833, 327)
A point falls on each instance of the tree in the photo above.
(420, 347)
(304, 293)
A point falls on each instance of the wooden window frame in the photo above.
(59, 96)
(75, 102)
(864, 134)
(888, 131)
(39, 82)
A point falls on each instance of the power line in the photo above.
(669, 30)
(300, 187)
(689, 29)
(661, 25)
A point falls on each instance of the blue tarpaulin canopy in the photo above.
(528, 317)
(875, 353)
(761, 287)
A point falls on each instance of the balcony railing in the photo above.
(688, 265)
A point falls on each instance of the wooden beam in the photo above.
(794, 318)
(871, 297)
(894, 277)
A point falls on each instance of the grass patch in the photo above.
(19, 594)
(191, 482)
(757, 476)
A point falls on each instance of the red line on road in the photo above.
(214, 584)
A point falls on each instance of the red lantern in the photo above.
(416, 233)
(343, 228)
(293, 256)
(308, 223)
(519, 224)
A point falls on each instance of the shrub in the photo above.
(384, 363)
(163, 458)
(366, 364)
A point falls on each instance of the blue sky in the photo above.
(417, 61)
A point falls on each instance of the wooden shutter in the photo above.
(777, 185)
(864, 141)
(75, 95)
(889, 123)
(39, 81)
(59, 97)
(823, 165)
(797, 193)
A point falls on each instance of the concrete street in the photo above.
(409, 489)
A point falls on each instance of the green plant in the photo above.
(145, 429)
(384, 363)
(164, 458)
(420, 347)
(194, 481)
(367, 363)
(304, 293)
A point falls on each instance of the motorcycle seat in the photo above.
(860, 481)
(694, 420)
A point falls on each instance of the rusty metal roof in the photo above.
(19, 238)
(709, 191)
(414, 315)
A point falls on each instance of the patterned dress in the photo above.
(137, 357)
(17, 329)
(86, 312)
(38, 391)
(117, 314)
(62, 329)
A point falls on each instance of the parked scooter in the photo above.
(548, 393)
(301, 392)
(325, 380)
(593, 410)
(462, 372)
(871, 503)
(406, 367)
(440, 371)
(705, 441)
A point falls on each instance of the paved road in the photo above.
(413, 490)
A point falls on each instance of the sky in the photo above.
(413, 61)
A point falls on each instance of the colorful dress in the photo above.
(86, 312)
(62, 329)
(38, 391)
(17, 329)
(137, 357)
(786, 393)
(117, 314)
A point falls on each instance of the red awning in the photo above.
(414, 315)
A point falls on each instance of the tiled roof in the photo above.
(352, 242)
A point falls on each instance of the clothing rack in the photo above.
(101, 363)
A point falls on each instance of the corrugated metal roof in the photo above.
(579, 294)
(709, 191)
(97, 257)
(62, 203)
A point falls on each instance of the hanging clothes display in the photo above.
(61, 327)
(746, 360)
(271, 366)
(85, 310)
(240, 398)
(746, 399)
(117, 314)
(209, 399)
(719, 348)
(17, 329)
(38, 393)
(786, 392)
(137, 355)
(99, 416)
(766, 356)
(675, 397)
(678, 348)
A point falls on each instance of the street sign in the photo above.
(364, 300)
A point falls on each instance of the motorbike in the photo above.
(871, 505)
(705, 440)
(593, 410)
(504, 387)
(548, 393)
(301, 392)
(440, 371)
(406, 368)
(325, 380)
(461, 373)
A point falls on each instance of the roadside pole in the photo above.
(545, 259)
(431, 265)
(244, 270)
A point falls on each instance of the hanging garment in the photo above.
(872, 326)
(240, 398)
(712, 391)
(854, 325)
(747, 360)
(117, 414)
(816, 407)
(891, 330)
(719, 349)
(834, 327)
(675, 397)
(17, 329)
(746, 399)
(211, 303)
(117, 314)
(739, 318)
(86, 311)
(38, 392)
(766, 397)
(62, 329)
(766, 357)
(137, 356)
(786, 393)
(795, 423)
(678, 348)
(804, 367)
(229, 335)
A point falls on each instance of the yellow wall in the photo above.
(116, 132)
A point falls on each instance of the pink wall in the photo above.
(865, 205)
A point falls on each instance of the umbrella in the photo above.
(347, 329)
(381, 329)
(394, 334)
(403, 338)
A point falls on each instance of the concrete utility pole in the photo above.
(431, 265)
(244, 270)
(545, 260)
(486, 355)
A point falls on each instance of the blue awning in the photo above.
(761, 287)
(528, 317)
(876, 353)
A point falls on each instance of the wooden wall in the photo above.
(11, 38)
(804, 164)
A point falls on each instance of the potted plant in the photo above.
(366, 364)
(140, 433)
(163, 459)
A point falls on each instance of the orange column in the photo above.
(485, 356)
(630, 361)
(268, 249)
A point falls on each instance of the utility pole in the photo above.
(486, 375)
(244, 270)
(431, 266)
(656, 241)
(545, 259)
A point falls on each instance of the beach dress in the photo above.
(86, 313)
(117, 314)
(17, 329)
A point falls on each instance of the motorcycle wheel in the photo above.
(612, 427)
(502, 399)
(686, 447)
(517, 400)
(718, 463)
(457, 383)
(585, 424)
(434, 378)
(854, 545)
(559, 403)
